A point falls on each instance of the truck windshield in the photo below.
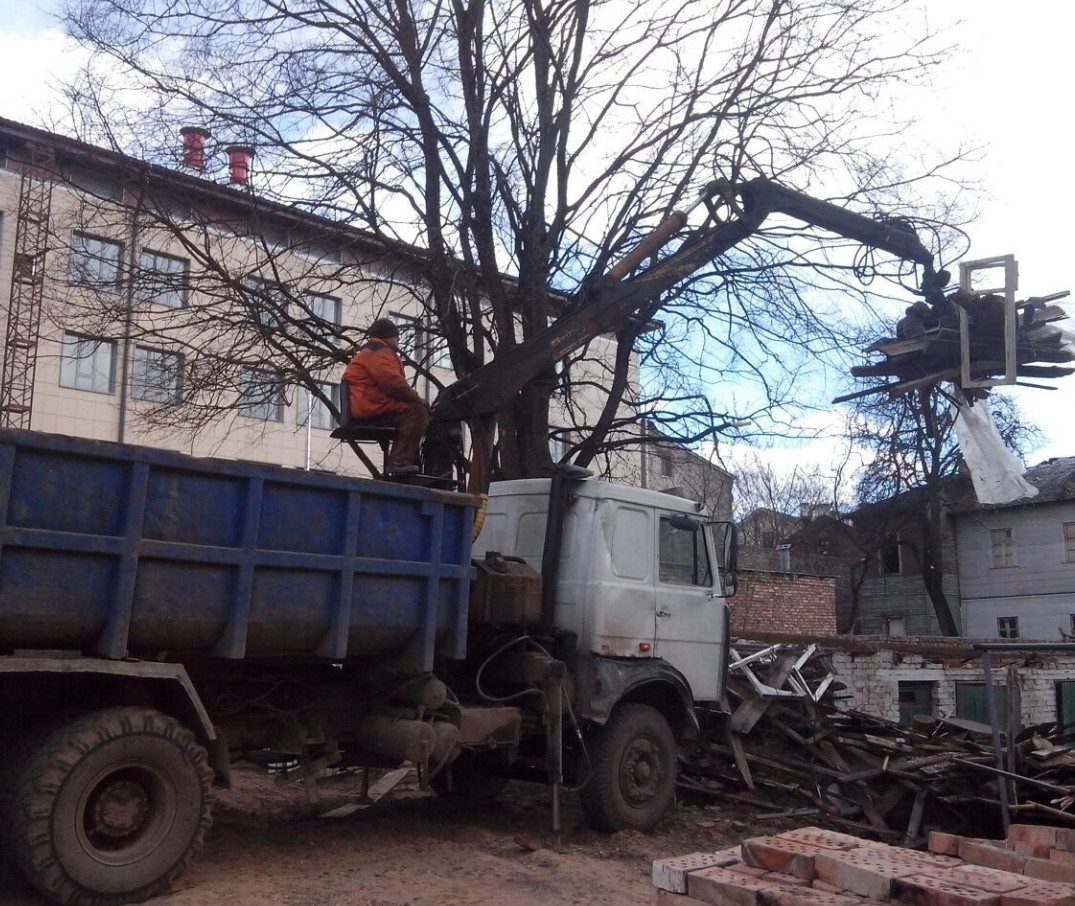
(684, 559)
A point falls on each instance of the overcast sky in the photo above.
(1008, 87)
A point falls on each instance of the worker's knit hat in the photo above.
(381, 329)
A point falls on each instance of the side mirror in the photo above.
(683, 523)
(730, 578)
(731, 548)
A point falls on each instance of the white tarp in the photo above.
(996, 473)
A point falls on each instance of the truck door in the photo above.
(690, 613)
(623, 605)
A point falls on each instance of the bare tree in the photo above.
(504, 151)
(908, 488)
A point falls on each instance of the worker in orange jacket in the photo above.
(378, 394)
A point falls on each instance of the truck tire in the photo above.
(111, 807)
(633, 759)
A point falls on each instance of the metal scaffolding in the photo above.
(32, 231)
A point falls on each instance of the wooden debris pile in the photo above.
(927, 350)
(800, 755)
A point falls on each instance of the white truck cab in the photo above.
(638, 574)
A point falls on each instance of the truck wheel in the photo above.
(469, 778)
(633, 759)
(111, 807)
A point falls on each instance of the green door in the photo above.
(1065, 703)
(971, 704)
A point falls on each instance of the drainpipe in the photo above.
(134, 232)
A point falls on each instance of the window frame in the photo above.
(1005, 551)
(260, 289)
(1069, 542)
(309, 404)
(559, 442)
(73, 379)
(1008, 627)
(173, 394)
(181, 292)
(890, 544)
(252, 377)
(79, 276)
(701, 568)
(308, 301)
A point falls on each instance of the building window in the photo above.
(1008, 627)
(163, 279)
(96, 262)
(268, 301)
(1003, 547)
(325, 308)
(434, 348)
(894, 626)
(684, 559)
(422, 342)
(559, 443)
(1069, 542)
(88, 364)
(156, 376)
(261, 395)
(889, 556)
(313, 409)
(664, 466)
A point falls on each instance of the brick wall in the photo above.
(873, 679)
(794, 603)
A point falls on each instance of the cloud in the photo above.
(34, 65)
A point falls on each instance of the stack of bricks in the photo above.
(816, 867)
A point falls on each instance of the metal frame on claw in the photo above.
(800, 688)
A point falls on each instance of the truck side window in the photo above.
(684, 559)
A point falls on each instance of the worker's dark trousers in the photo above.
(410, 426)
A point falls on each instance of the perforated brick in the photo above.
(1048, 870)
(1033, 834)
(1040, 893)
(932, 891)
(671, 874)
(667, 898)
(988, 879)
(944, 844)
(722, 887)
(776, 877)
(804, 896)
(1065, 839)
(790, 857)
(991, 855)
(826, 839)
(860, 872)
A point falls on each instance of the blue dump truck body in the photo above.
(116, 550)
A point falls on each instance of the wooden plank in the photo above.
(741, 760)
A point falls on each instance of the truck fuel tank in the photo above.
(505, 590)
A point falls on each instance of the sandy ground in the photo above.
(268, 846)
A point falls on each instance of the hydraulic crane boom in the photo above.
(604, 304)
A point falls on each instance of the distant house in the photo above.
(1017, 561)
(1008, 571)
(669, 466)
(888, 588)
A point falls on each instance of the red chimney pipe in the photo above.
(194, 146)
(239, 157)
